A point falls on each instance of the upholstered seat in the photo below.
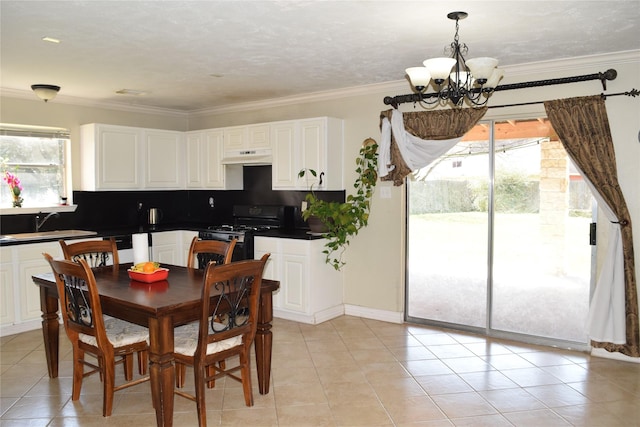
(227, 327)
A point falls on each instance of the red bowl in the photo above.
(156, 276)
(157, 287)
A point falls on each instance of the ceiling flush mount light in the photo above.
(457, 80)
(133, 92)
(51, 40)
(45, 92)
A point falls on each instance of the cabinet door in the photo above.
(234, 138)
(313, 146)
(269, 245)
(163, 159)
(214, 170)
(321, 142)
(285, 156)
(186, 236)
(258, 137)
(7, 303)
(115, 163)
(165, 246)
(295, 268)
(195, 164)
(31, 262)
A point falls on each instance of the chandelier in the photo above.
(456, 79)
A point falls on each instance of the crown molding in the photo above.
(84, 102)
(603, 61)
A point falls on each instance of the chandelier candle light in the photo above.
(456, 79)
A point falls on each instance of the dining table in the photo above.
(160, 306)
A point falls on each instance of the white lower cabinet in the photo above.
(7, 305)
(20, 306)
(187, 237)
(171, 247)
(311, 291)
(166, 247)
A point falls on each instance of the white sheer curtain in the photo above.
(607, 320)
(416, 152)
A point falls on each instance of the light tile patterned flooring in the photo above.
(353, 372)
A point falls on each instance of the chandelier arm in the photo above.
(610, 74)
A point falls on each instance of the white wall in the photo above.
(374, 274)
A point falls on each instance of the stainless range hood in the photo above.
(248, 157)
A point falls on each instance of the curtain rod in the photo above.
(610, 74)
(632, 93)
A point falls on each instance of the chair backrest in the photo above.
(235, 312)
(202, 252)
(79, 299)
(95, 252)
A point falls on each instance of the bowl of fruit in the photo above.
(148, 272)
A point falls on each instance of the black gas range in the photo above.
(247, 220)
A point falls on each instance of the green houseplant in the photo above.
(343, 220)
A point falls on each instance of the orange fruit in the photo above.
(149, 267)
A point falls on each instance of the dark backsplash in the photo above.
(105, 210)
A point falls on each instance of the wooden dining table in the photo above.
(160, 306)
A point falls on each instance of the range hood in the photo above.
(248, 157)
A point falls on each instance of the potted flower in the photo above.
(15, 187)
(342, 221)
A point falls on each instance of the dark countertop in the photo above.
(283, 233)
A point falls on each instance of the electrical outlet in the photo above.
(303, 205)
(211, 202)
(385, 192)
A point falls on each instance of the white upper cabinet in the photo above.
(308, 144)
(285, 153)
(204, 162)
(122, 157)
(164, 159)
(129, 158)
(111, 157)
(251, 137)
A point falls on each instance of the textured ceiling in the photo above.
(193, 55)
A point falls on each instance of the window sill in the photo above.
(36, 210)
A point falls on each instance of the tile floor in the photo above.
(353, 372)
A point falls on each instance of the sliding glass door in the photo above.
(498, 236)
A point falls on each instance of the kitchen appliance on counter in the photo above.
(247, 219)
(154, 216)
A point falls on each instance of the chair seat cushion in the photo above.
(185, 341)
(119, 333)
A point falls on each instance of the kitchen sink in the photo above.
(43, 235)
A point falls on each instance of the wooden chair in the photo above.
(202, 252)
(210, 250)
(95, 252)
(111, 341)
(226, 328)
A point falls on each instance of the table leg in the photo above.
(50, 329)
(264, 342)
(161, 369)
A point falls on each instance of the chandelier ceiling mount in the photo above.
(457, 80)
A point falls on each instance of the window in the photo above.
(37, 156)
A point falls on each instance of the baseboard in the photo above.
(374, 314)
(601, 352)
(20, 327)
(311, 319)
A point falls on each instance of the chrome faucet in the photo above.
(39, 223)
